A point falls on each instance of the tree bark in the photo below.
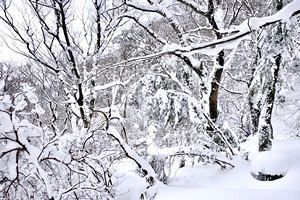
(265, 131)
(215, 86)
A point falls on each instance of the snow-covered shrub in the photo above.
(41, 161)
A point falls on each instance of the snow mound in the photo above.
(271, 163)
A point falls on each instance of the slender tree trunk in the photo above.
(215, 85)
(217, 74)
(265, 130)
(254, 107)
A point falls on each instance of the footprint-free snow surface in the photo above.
(210, 182)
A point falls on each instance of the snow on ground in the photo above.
(271, 162)
(209, 182)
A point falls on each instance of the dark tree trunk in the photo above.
(215, 85)
(217, 76)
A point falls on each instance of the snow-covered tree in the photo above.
(83, 98)
(107, 80)
(275, 52)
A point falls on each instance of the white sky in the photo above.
(7, 55)
(80, 11)
(19, 6)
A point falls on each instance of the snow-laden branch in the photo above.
(220, 133)
(163, 12)
(230, 91)
(147, 28)
(194, 6)
(192, 151)
(238, 34)
(147, 170)
(113, 84)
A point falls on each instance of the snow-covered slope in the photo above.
(207, 182)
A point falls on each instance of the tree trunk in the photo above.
(215, 85)
(265, 131)
(265, 127)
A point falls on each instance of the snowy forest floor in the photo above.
(209, 182)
